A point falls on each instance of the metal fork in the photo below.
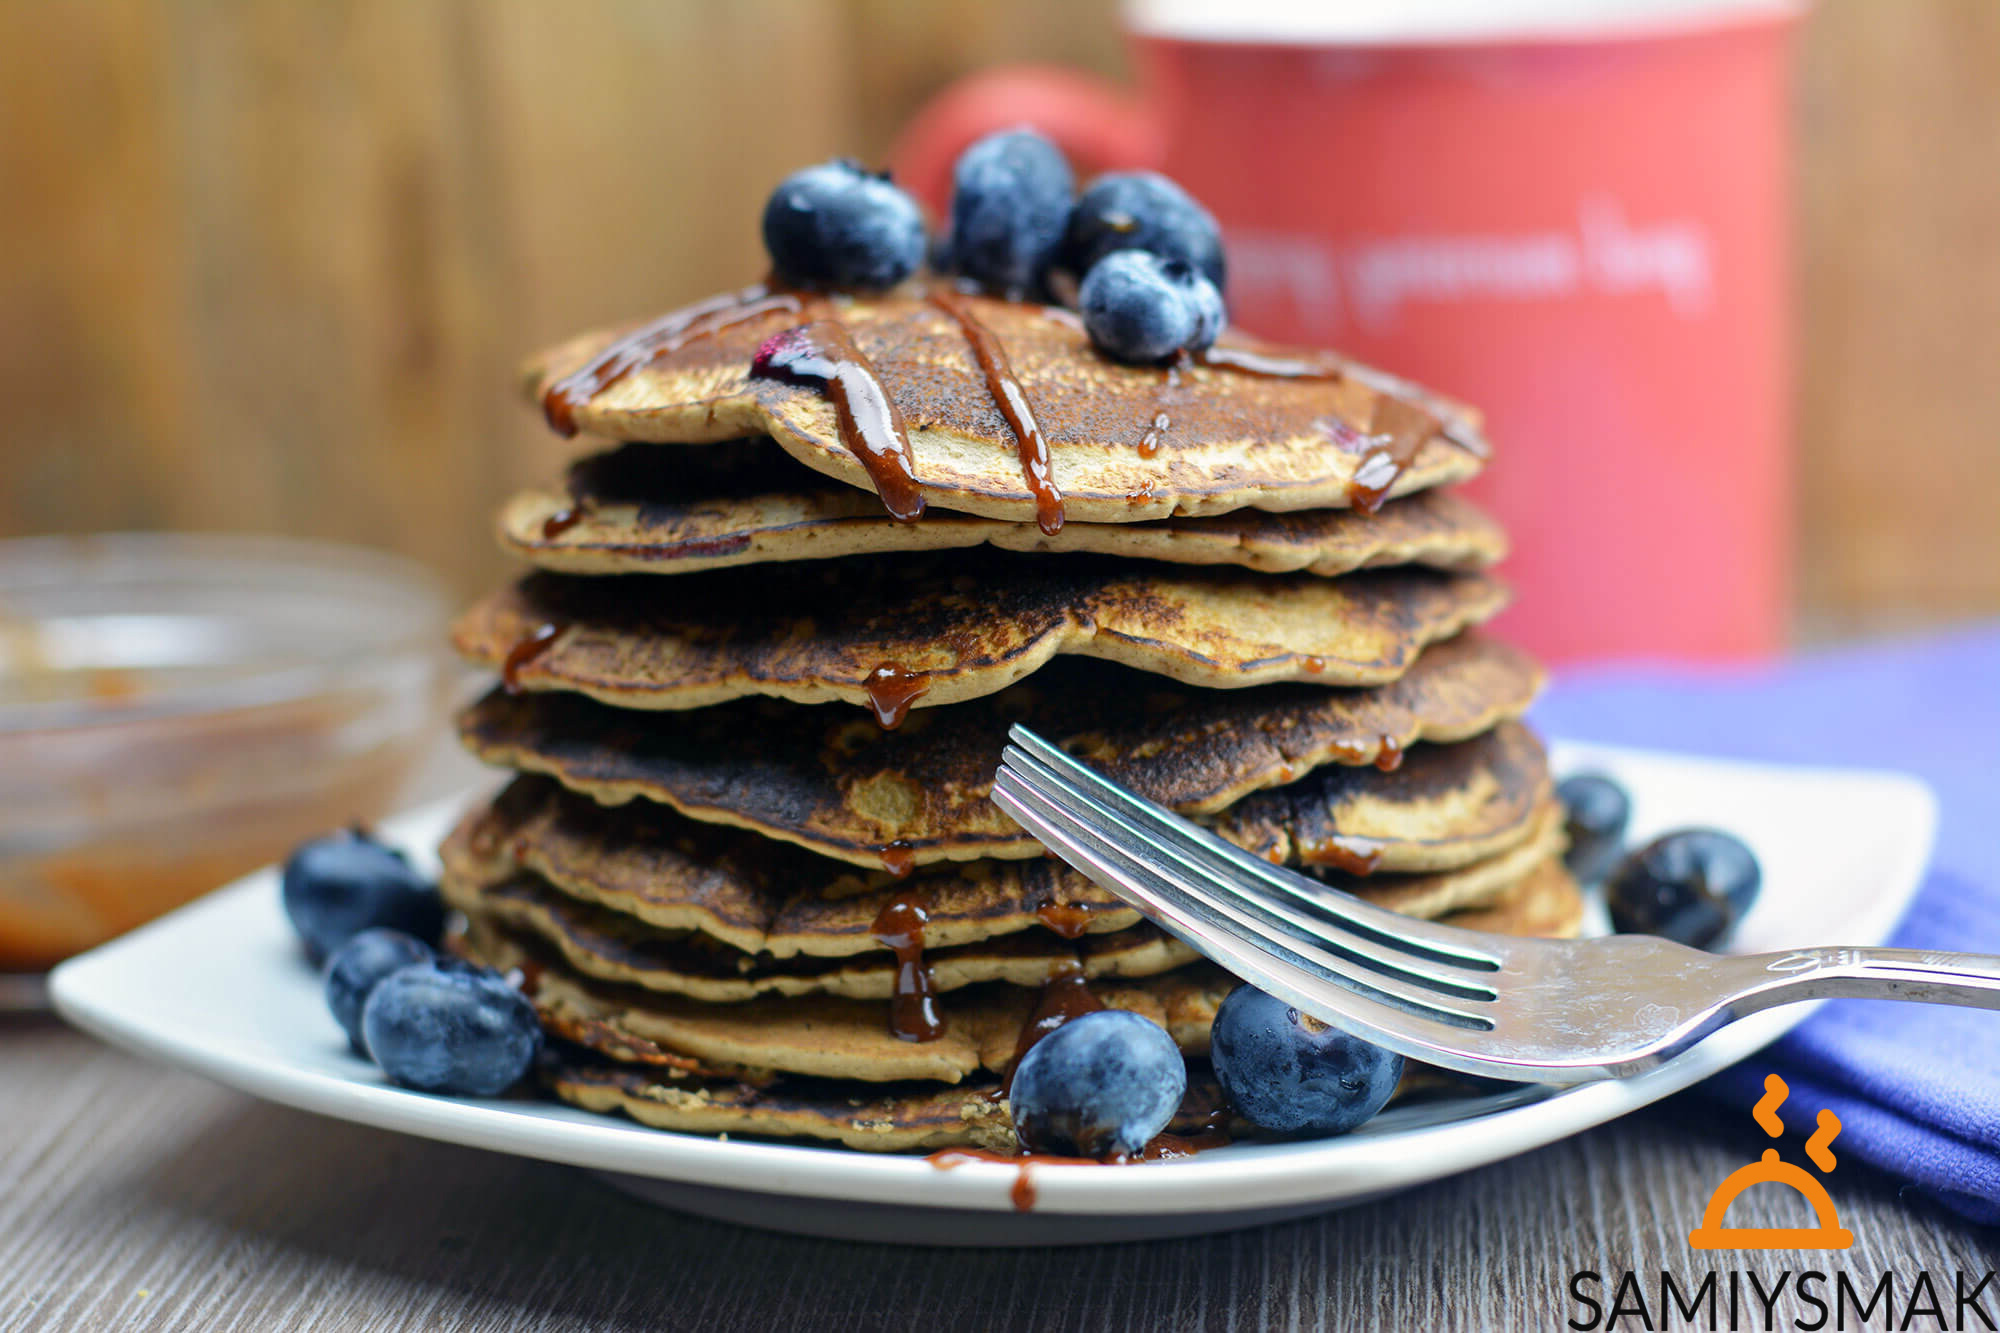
(1542, 1011)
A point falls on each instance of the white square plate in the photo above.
(221, 988)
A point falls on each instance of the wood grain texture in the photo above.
(271, 266)
(1900, 280)
(136, 1198)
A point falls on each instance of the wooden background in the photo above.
(269, 265)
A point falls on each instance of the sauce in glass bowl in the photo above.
(177, 710)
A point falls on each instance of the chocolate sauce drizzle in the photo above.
(822, 356)
(662, 337)
(1023, 1191)
(571, 514)
(1012, 400)
(525, 651)
(1344, 851)
(1163, 1148)
(1068, 920)
(898, 858)
(899, 927)
(1403, 418)
(1064, 996)
(892, 688)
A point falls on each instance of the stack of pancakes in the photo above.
(749, 870)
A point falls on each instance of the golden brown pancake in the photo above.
(1547, 905)
(874, 1117)
(823, 1036)
(940, 629)
(828, 1037)
(651, 509)
(833, 781)
(1230, 440)
(760, 898)
(610, 946)
(1445, 806)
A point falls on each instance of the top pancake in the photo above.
(955, 626)
(1231, 440)
(648, 509)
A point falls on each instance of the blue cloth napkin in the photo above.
(1916, 1087)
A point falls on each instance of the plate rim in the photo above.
(1246, 1177)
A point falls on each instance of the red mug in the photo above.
(1574, 216)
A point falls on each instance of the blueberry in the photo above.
(1101, 1084)
(440, 1029)
(1209, 314)
(1595, 813)
(355, 968)
(1142, 210)
(835, 225)
(1139, 307)
(1290, 1074)
(1692, 886)
(1010, 202)
(340, 885)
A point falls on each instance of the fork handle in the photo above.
(1926, 975)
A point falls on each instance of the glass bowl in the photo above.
(176, 710)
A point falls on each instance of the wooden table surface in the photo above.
(132, 1196)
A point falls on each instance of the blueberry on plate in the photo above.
(1139, 307)
(1595, 812)
(355, 968)
(836, 225)
(1102, 1084)
(440, 1029)
(1142, 210)
(1692, 886)
(1010, 202)
(340, 885)
(1290, 1074)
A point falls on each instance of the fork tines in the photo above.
(1289, 934)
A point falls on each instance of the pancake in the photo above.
(872, 1117)
(762, 899)
(823, 1036)
(1445, 806)
(1229, 439)
(610, 946)
(930, 630)
(648, 509)
(745, 891)
(834, 782)
(1548, 905)
(829, 1037)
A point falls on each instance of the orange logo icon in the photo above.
(1828, 1235)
